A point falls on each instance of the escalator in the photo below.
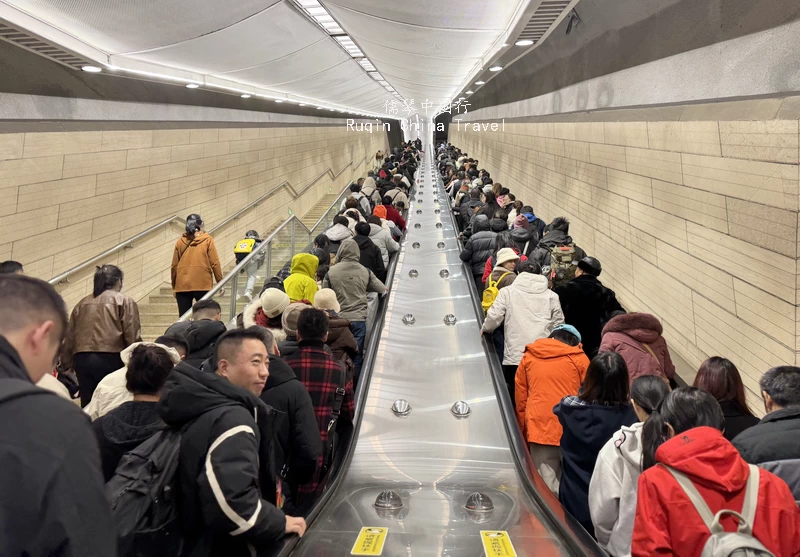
(437, 465)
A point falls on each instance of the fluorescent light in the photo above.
(495, 68)
(278, 101)
(323, 18)
(319, 108)
(479, 82)
(505, 44)
(192, 86)
(470, 92)
(309, 3)
(317, 11)
(91, 69)
(301, 104)
(524, 42)
(333, 110)
(245, 96)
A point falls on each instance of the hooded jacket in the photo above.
(666, 521)
(226, 468)
(302, 283)
(587, 427)
(370, 190)
(480, 246)
(492, 262)
(363, 203)
(382, 238)
(123, 429)
(612, 490)
(336, 234)
(298, 437)
(341, 341)
(525, 240)
(201, 335)
(467, 210)
(629, 336)
(398, 195)
(528, 309)
(394, 215)
(587, 306)
(52, 499)
(351, 281)
(550, 240)
(371, 256)
(549, 371)
(502, 276)
(253, 314)
(195, 263)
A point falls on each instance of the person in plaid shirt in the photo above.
(322, 375)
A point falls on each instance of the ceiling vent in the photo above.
(41, 47)
(545, 16)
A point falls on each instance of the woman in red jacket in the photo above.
(685, 434)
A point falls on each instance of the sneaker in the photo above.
(248, 296)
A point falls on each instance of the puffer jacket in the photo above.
(107, 323)
(301, 284)
(479, 247)
(340, 338)
(587, 305)
(371, 256)
(398, 195)
(351, 281)
(554, 238)
(195, 263)
(382, 238)
(122, 430)
(336, 234)
(528, 309)
(629, 336)
(467, 210)
(370, 190)
(363, 202)
(525, 240)
(201, 335)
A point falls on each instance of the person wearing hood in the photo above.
(267, 311)
(342, 343)
(478, 249)
(301, 284)
(556, 236)
(195, 264)
(536, 224)
(468, 207)
(613, 487)
(503, 240)
(504, 271)
(588, 421)
(551, 369)
(684, 437)
(392, 214)
(528, 310)
(371, 257)
(201, 332)
(637, 338)
(399, 193)
(337, 233)
(125, 427)
(381, 236)
(351, 282)
(289, 345)
(587, 304)
(370, 189)
(363, 202)
(227, 495)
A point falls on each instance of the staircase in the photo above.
(311, 218)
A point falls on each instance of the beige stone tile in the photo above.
(41, 245)
(168, 138)
(660, 165)
(749, 109)
(74, 256)
(216, 149)
(94, 163)
(701, 138)
(661, 225)
(576, 150)
(148, 157)
(771, 140)
(691, 204)
(228, 187)
(123, 179)
(186, 184)
(240, 146)
(774, 229)
(145, 194)
(126, 222)
(8, 200)
(127, 139)
(215, 177)
(790, 109)
(165, 172)
(46, 194)
(611, 204)
(41, 268)
(584, 131)
(230, 134)
(664, 296)
(200, 166)
(61, 143)
(610, 156)
(30, 171)
(186, 152)
(771, 315)
(21, 225)
(204, 136)
(761, 182)
(11, 145)
(85, 209)
(631, 186)
(164, 208)
(227, 161)
(628, 134)
(249, 133)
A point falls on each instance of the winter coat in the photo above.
(226, 470)
(341, 341)
(507, 280)
(52, 498)
(736, 419)
(393, 215)
(774, 444)
(195, 263)
(371, 256)
(382, 238)
(288, 346)
(202, 337)
(587, 427)
(528, 309)
(351, 281)
(492, 261)
(363, 202)
(479, 247)
(630, 335)
(554, 238)
(612, 490)
(467, 210)
(666, 521)
(525, 240)
(123, 429)
(336, 234)
(302, 283)
(398, 195)
(298, 435)
(370, 190)
(587, 306)
(549, 371)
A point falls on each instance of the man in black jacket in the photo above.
(468, 206)
(202, 332)
(226, 473)
(556, 236)
(371, 257)
(774, 442)
(478, 249)
(52, 499)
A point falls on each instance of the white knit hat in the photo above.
(325, 298)
(505, 255)
(274, 302)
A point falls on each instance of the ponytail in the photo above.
(106, 277)
(193, 224)
(654, 433)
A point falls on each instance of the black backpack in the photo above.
(143, 494)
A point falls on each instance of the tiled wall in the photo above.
(67, 196)
(694, 221)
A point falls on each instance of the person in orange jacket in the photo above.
(551, 369)
(195, 264)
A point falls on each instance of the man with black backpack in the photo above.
(557, 253)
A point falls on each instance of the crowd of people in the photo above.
(645, 466)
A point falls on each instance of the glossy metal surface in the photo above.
(431, 459)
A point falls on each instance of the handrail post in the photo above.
(269, 259)
(234, 291)
(291, 239)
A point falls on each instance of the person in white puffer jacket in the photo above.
(613, 488)
(381, 236)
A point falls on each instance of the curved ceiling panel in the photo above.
(461, 14)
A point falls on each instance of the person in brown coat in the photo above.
(637, 338)
(341, 341)
(195, 264)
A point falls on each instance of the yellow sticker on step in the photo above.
(370, 541)
(497, 544)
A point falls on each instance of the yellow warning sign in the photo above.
(370, 541)
(497, 544)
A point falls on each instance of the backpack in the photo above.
(491, 291)
(143, 494)
(332, 443)
(562, 269)
(721, 543)
(245, 247)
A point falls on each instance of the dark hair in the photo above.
(322, 254)
(648, 391)
(375, 219)
(193, 223)
(351, 203)
(683, 409)
(526, 208)
(560, 223)
(782, 384)
(386, 200)
(322, 270)
(505, 191)
(606, 380)
(529, 266)
(353, 214)
(490, 198)
(517, 206)
(500, 214)
(177, 343)
(354, 187)
(276, 322)
(322, 241)
(230, 343)
(339, 219)
(475, 193)
(106, 278)
(266, 336)
(503, 240)
(10, 267)
(564, 335)
(312, 324)
(512, 197)
(148, 368)
(363, 229)
(25, 300)
(721, 379)
(206, 306)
